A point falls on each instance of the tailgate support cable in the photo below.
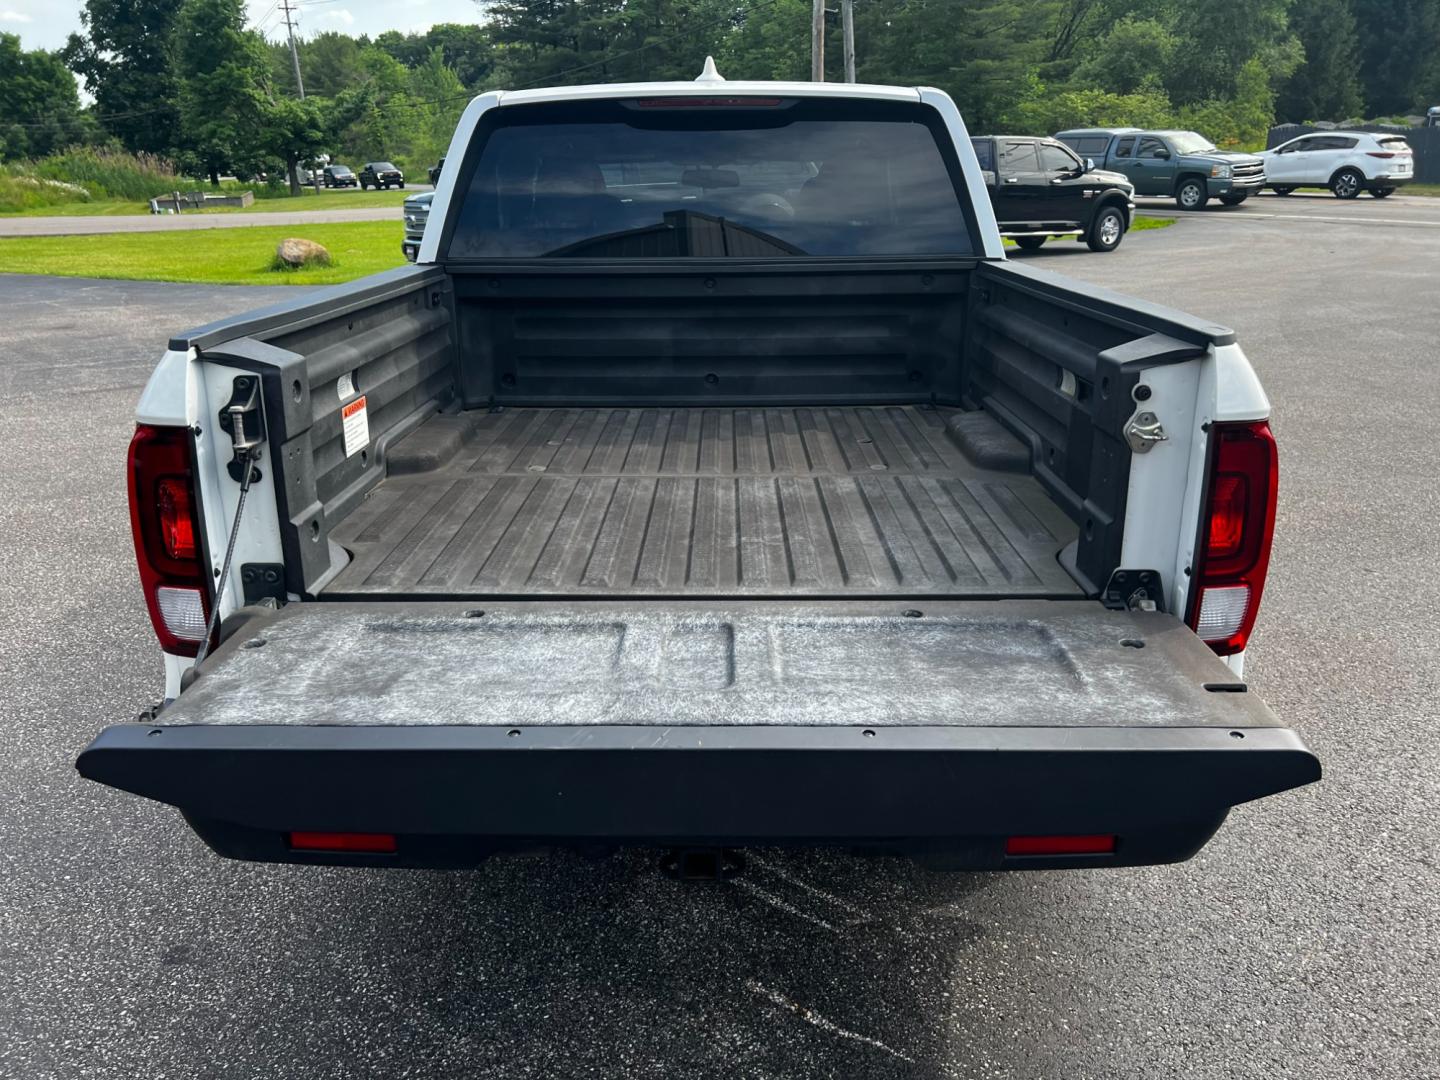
(245, 422)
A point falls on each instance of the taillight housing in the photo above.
(165, 520)
(1235, 535)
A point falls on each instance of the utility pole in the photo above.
(817, 41)
(847, 20)
(294, 53)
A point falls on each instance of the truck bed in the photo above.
(774, 502)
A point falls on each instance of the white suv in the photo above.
(1347, 162)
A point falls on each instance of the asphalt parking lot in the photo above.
(1312, 207)
(1304, 941)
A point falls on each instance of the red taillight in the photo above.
(1227, 516)
(163, 519)
(372, 843)
(177, 517)
(1092, 844)
(1382, 153)
(1234, 553)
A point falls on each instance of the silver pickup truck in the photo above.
(712, 480)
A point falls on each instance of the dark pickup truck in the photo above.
(1176, 164)
(1040, 189)
(754, 503)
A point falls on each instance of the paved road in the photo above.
(132, 223)
(1303, 942)
(1314, 207)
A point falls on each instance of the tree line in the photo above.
(191, 80)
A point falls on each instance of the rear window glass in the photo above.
(1122, 149)
(1090, 144)
(1394, 143)
(663, 179)
(984, 153)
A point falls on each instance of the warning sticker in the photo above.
(356, 426)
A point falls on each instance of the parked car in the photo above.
(380, 175)
(417, 210)
(338, 176)
(1432, 116)
(435, 171)
(1183, 165)
(1346, 162)
(1039, 189)
(762, 503)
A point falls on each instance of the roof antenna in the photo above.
(709, 74)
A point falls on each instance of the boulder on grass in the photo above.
(295, 252)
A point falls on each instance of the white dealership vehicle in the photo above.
(711, 480)
(1346, 162)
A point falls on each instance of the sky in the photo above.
(45, 24)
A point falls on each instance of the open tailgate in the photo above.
(941, 731)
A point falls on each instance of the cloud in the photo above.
(342, 16)
(15, 16)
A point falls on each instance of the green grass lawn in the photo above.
(216, 256)
(1420, 189)
(230, 256)
(350, 199)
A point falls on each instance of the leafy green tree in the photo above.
(295, 131)
(221, 68)
(1217, 39)
(1132, 54)
(467, 50)
(123, 53)
(771, 42)
(440, 98)
(42, 108)
(330, 63)
(1241, 119)
(983, 52)
(1327, 85)
(1399, 53)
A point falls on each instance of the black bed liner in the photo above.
(823, 501)
(1070, 664)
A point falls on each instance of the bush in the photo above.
(1245, 119)
(1043, 113)
(112, 174)
(24, 192)
(83, 175)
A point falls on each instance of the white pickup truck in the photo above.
(712, 480)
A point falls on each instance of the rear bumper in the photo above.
(453, 795)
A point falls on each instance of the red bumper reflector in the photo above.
(375, 843)
(1096, 844)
